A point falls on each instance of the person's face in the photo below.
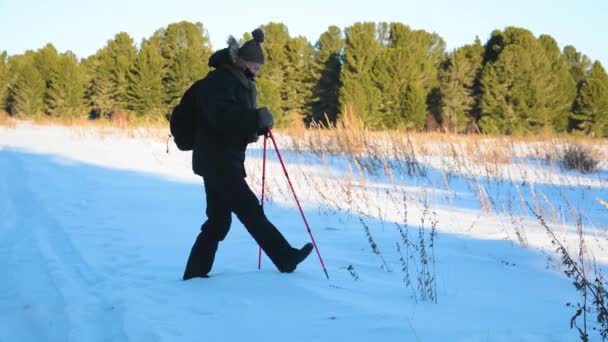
(254, 68)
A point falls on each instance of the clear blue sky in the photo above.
(83, 26)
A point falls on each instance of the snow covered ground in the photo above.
(95, 229)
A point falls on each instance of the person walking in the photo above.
(227, 120)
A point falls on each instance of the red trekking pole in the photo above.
(294, 195)
(263, 181)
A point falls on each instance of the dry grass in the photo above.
(486, 161)
(602, 202)
(7, 121)
(349, 136)
(394, 152)
(401, 151)
(104, 128)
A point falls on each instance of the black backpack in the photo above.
(183, 127)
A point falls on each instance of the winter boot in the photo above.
(295, 257)
(201, 258)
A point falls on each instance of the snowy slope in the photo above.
(95, 232)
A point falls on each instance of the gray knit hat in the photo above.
(251, 51)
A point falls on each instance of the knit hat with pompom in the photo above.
(251, 51)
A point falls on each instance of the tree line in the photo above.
(387, 75)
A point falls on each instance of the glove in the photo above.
(265, 120)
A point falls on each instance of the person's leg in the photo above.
(212, 232)
(244, 203)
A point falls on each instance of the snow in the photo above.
(96, 226)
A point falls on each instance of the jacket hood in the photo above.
(226, 56)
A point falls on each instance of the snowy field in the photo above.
(96, 226)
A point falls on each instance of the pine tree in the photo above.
(327, 67)
(560, 86)
(578, 64)
(392, 73)
(100, 88)
(459, 94)
(272, 92)
(26, 96)
(145, 93)
(66, 88)
(299, 78)
(517, 84)
(186, 50)
(591, 105)
(406, 67)
(46, 60)
(122, 52)
(4, 81)
(108, 70)
(286, 81)
(414, 107)
(504, 109)
(358, 94)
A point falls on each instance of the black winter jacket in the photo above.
(224, 103)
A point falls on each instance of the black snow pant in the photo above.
(227, 194)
